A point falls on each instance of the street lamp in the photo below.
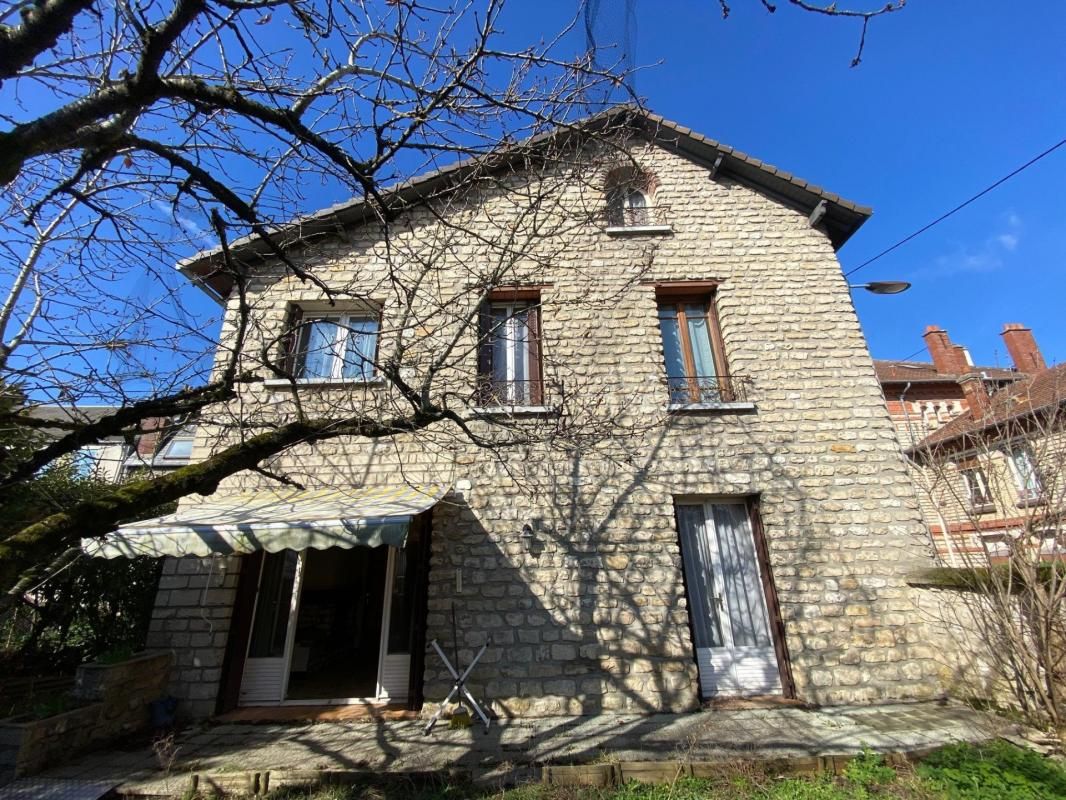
(882, 287)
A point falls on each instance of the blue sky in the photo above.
(950, 97)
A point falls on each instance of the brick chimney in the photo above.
(151, 430)
(1023, 349)
(975, 390)
(948, 358)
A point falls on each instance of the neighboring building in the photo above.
(984, 444)
(105, 459)
(159, 446)
(746, 531)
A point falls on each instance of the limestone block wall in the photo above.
(589, 614)
(191, 620)
(115, 702)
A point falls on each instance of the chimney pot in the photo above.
(1023, 349)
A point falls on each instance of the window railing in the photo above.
(709, 389)
(619, 217)
(500, 393)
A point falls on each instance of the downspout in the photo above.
(952, 557)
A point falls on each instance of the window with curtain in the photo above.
(698, 562)
(745, 598)
(1026, 477)
(978, 491)
(509, 357)
(726, 596)
(693, 371)
(628, 206)
(336, 347)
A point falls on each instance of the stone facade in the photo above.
(589, 613)
(191, 621)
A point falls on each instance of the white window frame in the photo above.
(968, 474)
(344, 324)
(514, 347)
(1025, 492)
(191, 439)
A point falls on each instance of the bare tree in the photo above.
(996, 478)
(136, 133)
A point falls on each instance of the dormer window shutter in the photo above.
(290, 340)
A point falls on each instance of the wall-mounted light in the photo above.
(882, 287)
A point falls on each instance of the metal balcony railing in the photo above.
(625, 217)
(709, 389)
(496, 393)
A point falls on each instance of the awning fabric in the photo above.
(290, 519)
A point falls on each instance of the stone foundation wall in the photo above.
(963, 640)
(117, 698)
(191, 621)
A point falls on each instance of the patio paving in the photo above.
(515, 749)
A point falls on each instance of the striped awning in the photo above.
(291, 519)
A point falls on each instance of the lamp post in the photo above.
(882, 287)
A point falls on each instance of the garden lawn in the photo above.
(994, 771)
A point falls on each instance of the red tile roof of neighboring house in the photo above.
(902, 371)
(1030, 393)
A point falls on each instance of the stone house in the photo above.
(671, 476)
(985, 444)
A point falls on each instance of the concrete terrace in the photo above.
(515, 750)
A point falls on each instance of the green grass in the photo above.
(995, 771)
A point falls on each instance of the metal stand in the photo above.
(458, 688)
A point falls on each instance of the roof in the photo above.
(81, 415)
(889, 371)
(841, 219)
(1029, 394)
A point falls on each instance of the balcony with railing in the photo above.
(622, 220)
(512, 396)
(708, 391)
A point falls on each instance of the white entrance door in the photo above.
(727, 604)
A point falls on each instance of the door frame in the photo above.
(240, 641)
(752, 507)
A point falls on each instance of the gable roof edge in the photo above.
(842, 218)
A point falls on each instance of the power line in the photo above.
(959, 207)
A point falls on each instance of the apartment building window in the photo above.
(509, 369)
(978, 492)
(335, 347)
(696, 371)
(1024, 471)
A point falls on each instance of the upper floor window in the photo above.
(978, 491)
(179, 447)
(631, 200)
(696, 371)
(509, 354)
(336, 347)
(628, 206)
(1024, 471)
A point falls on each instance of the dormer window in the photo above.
(628, 207)
(631, 206)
